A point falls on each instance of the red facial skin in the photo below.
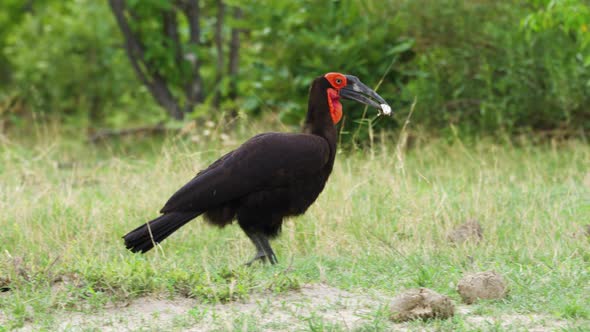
(338, 81)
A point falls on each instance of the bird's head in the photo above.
(350, 87)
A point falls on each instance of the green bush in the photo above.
(473, 65)
(480, 66)
(67, 60)
(480, 70)
(301, 40)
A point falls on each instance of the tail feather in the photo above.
(144, 237)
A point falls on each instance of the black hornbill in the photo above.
(269, 177)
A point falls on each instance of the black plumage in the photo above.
(269, 177)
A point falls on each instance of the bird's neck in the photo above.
(318, 120)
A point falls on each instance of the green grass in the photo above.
(379, 226)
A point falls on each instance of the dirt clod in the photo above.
(421, 303)
(471, 231)
(482, 285)
(581, 232)
(4, 284)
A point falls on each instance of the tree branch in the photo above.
(194, 87)
(234, 55)
(171, 31)
(156, 84)
(219, 49)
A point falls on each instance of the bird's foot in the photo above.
(262, 257)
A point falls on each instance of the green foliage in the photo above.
(470, 65)
(158, 47)
(571, 17)
(477, 70)
(10, 16)
(300, 40)
(474, 66)
(68, 61)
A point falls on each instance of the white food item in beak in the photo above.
(386, 109)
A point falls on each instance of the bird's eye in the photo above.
(338, 81)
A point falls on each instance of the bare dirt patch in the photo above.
(143, 313)
(267, 311)
(530, 322)
(295, 310)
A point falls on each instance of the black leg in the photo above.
(263, 249)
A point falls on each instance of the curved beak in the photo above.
(358, 91)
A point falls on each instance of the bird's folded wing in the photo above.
(264, 162)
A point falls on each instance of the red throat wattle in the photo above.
(335, 105)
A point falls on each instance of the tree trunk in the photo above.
(194, 87)
(219, 48)
(171, 32)
(28, 6)
(135, 51)
(234, 60)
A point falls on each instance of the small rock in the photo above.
(421, 303)
(469, 231)
(482, 285)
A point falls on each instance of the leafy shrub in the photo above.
(67, 60)
(481, 66)
(477, 69)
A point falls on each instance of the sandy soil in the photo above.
(268, 312)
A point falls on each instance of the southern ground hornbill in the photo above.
(269, 177)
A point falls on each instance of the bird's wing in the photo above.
(265, 161)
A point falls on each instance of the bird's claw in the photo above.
(262, 258)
